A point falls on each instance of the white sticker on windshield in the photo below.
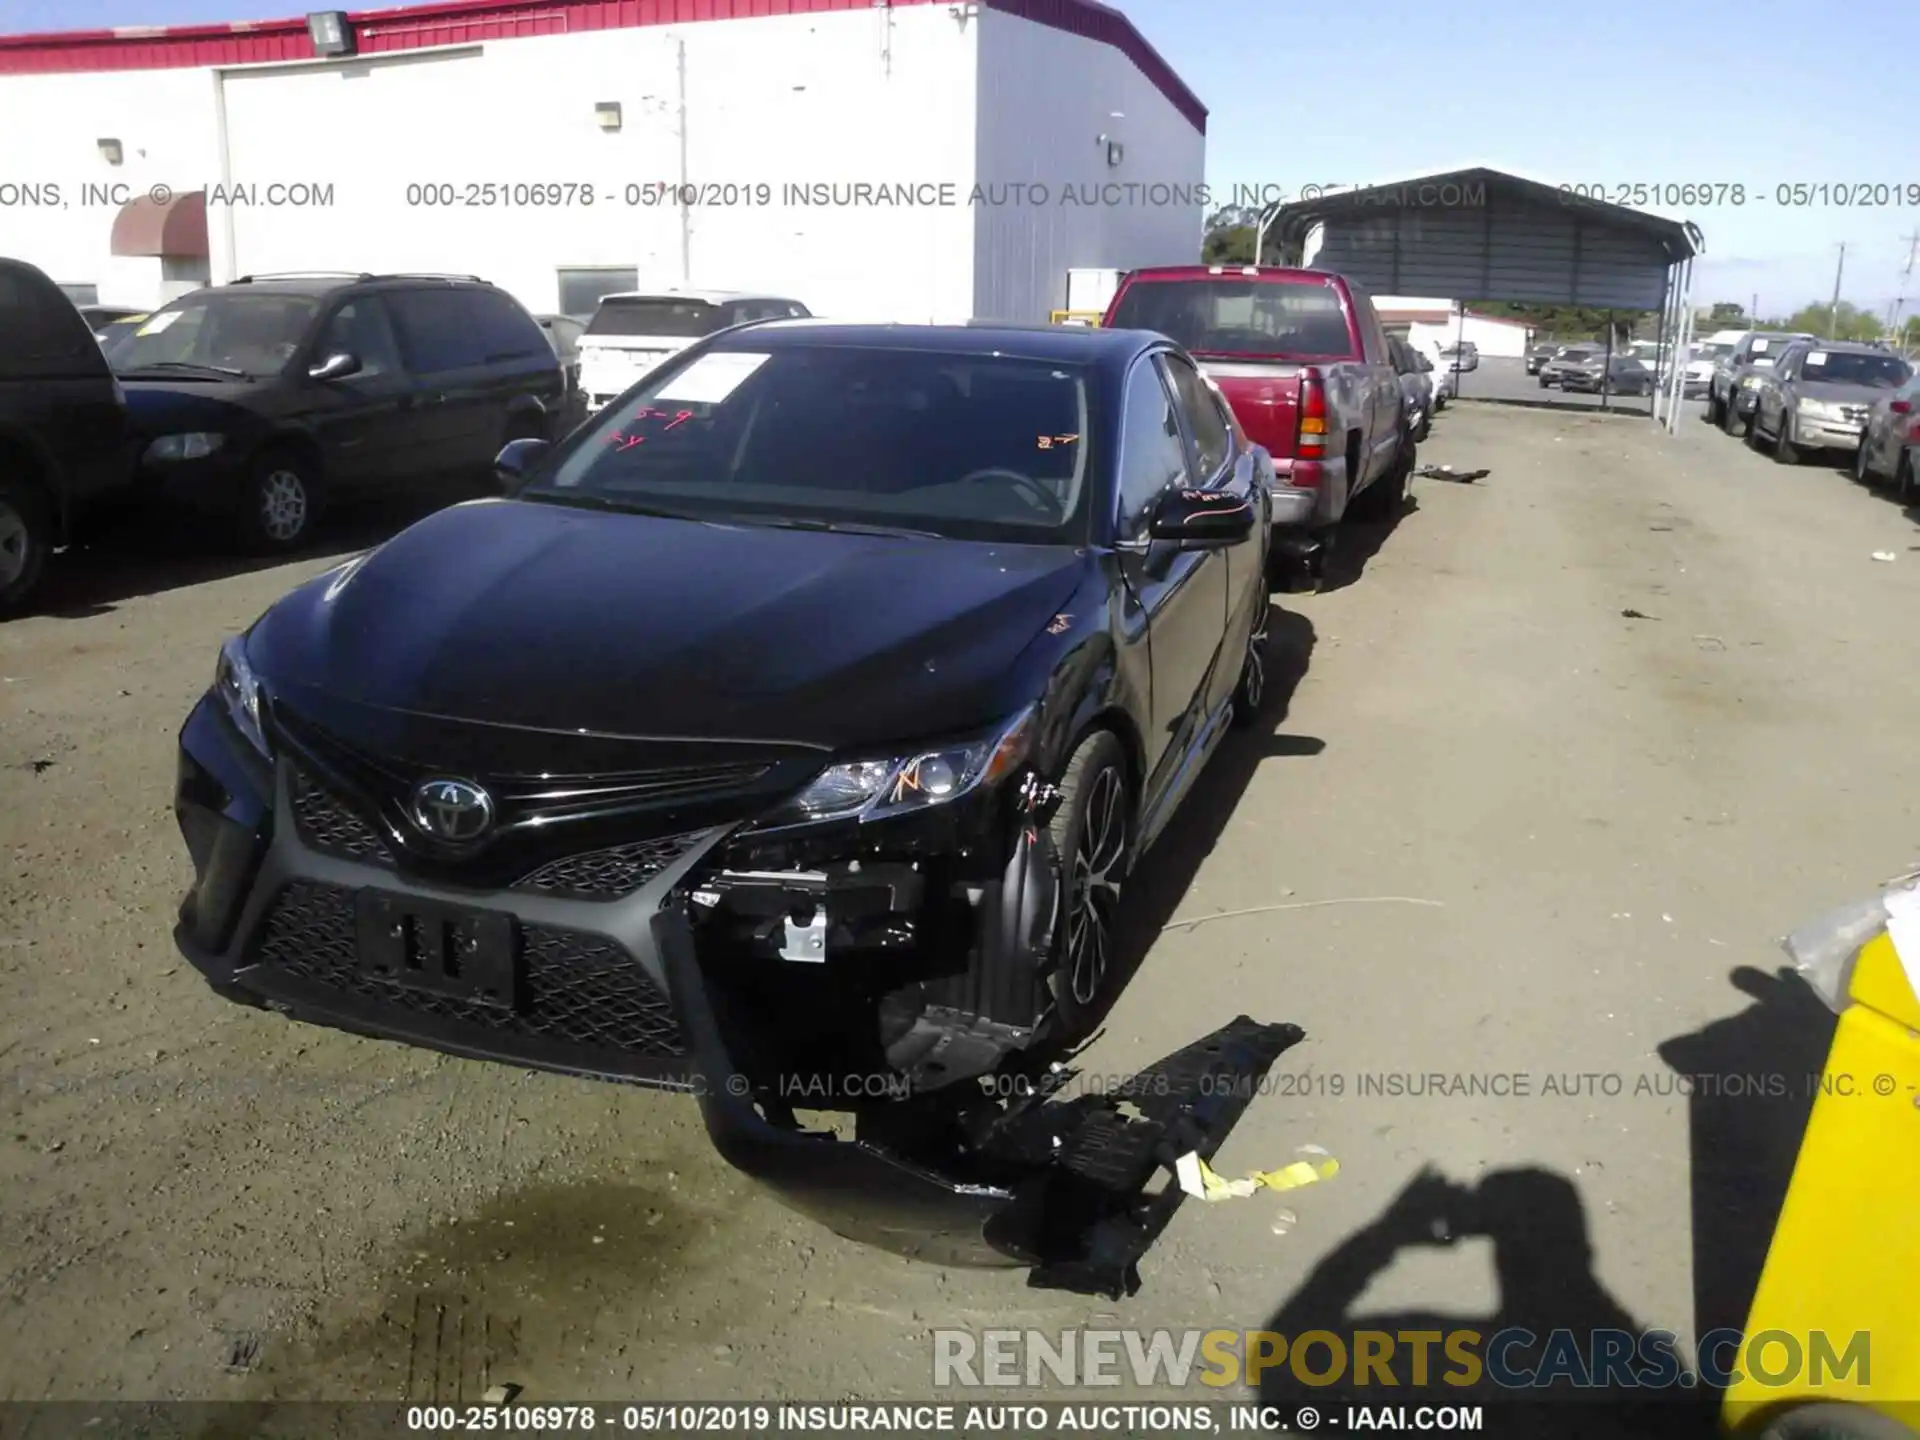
(159, 323)
(1818, 357)
(712, 378)
(1760, 345)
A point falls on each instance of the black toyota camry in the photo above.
(801, 715)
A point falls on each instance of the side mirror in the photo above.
(1202, 519)
(513, 462)
(337, 366)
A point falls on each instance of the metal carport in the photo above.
(1477, 233)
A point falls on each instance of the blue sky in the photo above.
(1620, 93)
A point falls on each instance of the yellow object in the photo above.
(1076, 317)
(1845, 1255)
(1200, 1179)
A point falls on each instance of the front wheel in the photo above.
(25, 539)
(1785, 452)
(1730, 420)
(280, 503)
(1862, 471)
(1252, 693)
(1093, 836)
(1905, 488)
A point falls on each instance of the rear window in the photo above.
(1230, 316)
(675, 319)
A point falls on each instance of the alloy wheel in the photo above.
(283, 505)
(1094, 894)
(16, 545)
(1253, 683)
(1860, 461)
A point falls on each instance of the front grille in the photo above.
(576, 989)
(1853, 414)
(331, 827)
(611, 873)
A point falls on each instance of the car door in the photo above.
(57, 395)
(1384, 402)
(445, 344)
(1215, 462)
(1776, 387)
(366, 422)
(1176, 601)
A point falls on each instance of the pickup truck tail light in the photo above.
(1310, 447)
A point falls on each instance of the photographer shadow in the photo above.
(1543, 1261)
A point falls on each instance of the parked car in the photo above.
(1567, 357)
(99, 317)
(563, 332)
(1446, 380)
(1701, 363)
(633, 333)
(874, 674)
(1301, 357)
(1539, 356)
(1888, 442)
(64, 440)
(1653, 355)
(1620, 375)
(1464, 355)
(1416, 387)
(1817, 395)
(1731, 392)
(262, 400)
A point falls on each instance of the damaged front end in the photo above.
(893, 922)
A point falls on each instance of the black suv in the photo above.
(260, 399)
(63, 426)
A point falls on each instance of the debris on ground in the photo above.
(243, 1354)
(1447, 472)
(499, 1394)
(1199, 1179)
(1636, 615)
(1887, 555)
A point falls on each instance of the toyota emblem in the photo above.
(452, 809)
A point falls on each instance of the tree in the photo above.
(1830, 322)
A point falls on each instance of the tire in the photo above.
(1862, 471)
(26, 538)
(1828, 1420)
(1730, 420)
(1753, 437)
(1715, 413)
(280, 503)
(1249, 700)
(1785, 452)
(1905, 489)
(1094, 859)
(1545, 383)
(1386, 497)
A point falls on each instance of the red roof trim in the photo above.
(470, 22)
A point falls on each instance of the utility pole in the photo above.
(1899, 303)
(1833, 310)
(1753, 314)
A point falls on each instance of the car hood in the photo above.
(539, 616)
(170, 407)
(1834, 392)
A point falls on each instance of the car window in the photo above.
(965, 445)
(1152, 454)
(503, 331)
(229, 327)
(1230, 316)
(438, 329)
(1212, 442)
(360, 328)
(1853, 367)
(664, 316)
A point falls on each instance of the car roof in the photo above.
(1236, 272)
(710, 297)
(1847, 347)
(1065, 344)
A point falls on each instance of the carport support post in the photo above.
(1459, 339)
(1659, 340)
(1606, 366)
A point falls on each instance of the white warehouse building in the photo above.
(906, 160)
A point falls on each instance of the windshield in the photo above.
(672, 318)
(968, 447)
(235, 330)
(1850, 367)
(1239, 317)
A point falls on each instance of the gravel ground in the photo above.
(1567, 839)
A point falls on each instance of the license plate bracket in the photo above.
(450, 950)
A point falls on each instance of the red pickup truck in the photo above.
(1302, 359)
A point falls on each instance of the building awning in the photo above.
(175, 227)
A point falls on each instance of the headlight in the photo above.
(877, 788)
(234, 682)
(1817, 407)
(191, 446)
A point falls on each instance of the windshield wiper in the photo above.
(589, 500)
(171, 366)
(838, 527)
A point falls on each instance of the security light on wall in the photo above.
(607, 114)
(331, 33)
(110, 151)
